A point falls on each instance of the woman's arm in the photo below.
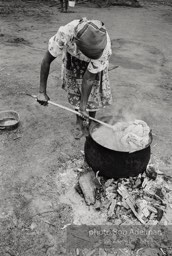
(88, 80)
(44, 73)
(55, 48)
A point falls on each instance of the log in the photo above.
(88, 187)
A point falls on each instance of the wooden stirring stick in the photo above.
(74, 111)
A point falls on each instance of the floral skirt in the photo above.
(74, 70)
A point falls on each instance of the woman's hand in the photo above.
(43, 98)
(84, 113)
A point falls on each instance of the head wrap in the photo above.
(91, 38)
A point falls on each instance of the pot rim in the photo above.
(106, 119)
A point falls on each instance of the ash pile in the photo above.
(145, 199)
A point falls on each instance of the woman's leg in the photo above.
(92, 114)
(78, 120)
(61, 3)
(78, 133)
(66, 5)
(82, 129)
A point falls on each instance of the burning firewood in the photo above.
(129, 200)
(112, 208)
(146, 198)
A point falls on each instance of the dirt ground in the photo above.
(37, 160)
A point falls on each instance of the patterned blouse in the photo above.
(63, 41)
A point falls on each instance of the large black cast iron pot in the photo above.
(114, 164)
